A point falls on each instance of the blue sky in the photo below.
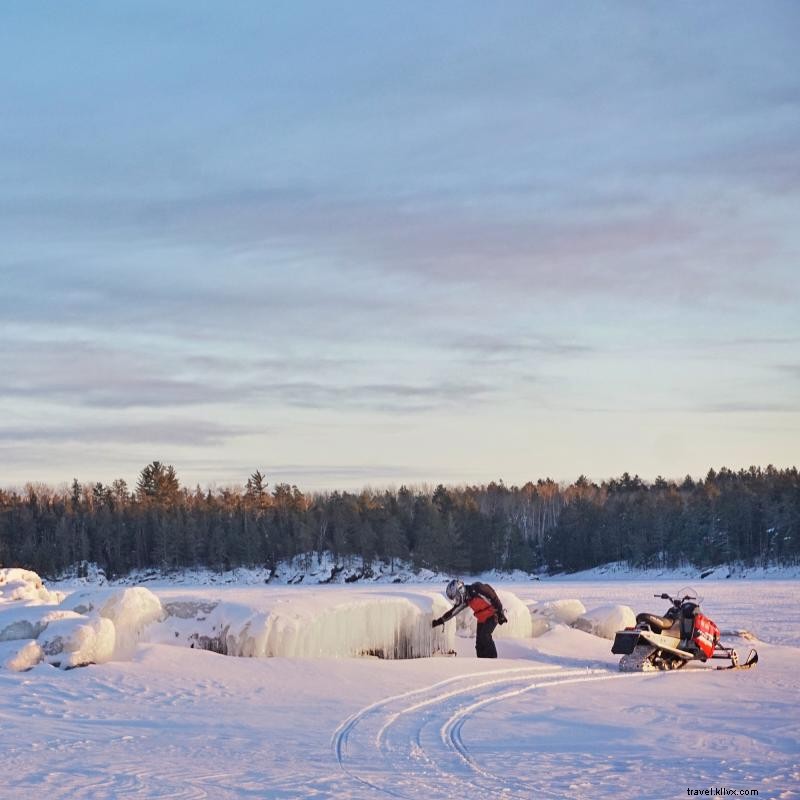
(384, 243)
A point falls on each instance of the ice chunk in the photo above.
(28, 622)
(605, 621)
(24, 586)
(540, 623)
(71, 643)
(27, 657)
(131, 611)
(563, 612)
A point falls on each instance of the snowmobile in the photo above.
(682, 635)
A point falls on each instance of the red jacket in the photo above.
(481, 608)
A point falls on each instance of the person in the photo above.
(486, 607)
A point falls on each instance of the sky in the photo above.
(367, 244)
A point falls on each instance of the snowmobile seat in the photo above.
(655, 622)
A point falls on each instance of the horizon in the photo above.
(398, 245)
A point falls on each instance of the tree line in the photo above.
(750, 516)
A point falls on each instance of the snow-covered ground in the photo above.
(552, 717)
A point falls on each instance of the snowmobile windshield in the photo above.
(687, 593)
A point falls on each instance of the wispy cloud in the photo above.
(200, 433)
(509, 347)
(750, 407)
(82, 374)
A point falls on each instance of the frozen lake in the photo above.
(552, 717)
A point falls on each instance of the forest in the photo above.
(748, 516)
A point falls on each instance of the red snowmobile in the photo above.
(682, 635)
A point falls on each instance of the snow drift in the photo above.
(555, 612)
(605, 621)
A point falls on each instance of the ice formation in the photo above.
(311, 625)
(29, 622)
(605, 621)
(564, 612)
(89, 628)
(24, 586)
(71, 643)
(131, 611)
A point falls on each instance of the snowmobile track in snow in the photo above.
(413, 739)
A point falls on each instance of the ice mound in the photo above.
(26, 657)
(89, 628)
(564, 612)
(24, 586)
(131, 611)
(605, 621)
(386, 626)
(69, 643)
(29, 622)
(519, 619)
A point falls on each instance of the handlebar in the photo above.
(675, 600)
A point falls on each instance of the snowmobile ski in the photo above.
(750, 661)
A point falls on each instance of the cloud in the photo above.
(85, 375)
(199, 433)
(384, 398)
(750, 407)
(511, 348)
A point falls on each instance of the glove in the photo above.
(501, 617)
(438, 621)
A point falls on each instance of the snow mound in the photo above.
(555, 612)
(605, 621)
(517, 627)
(29, 622)
(131, 611)
(24, 586)
(69, 643)
(88, 628)
(26, 658)
(386, 626)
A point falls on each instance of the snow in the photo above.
(27, 622)
(605, 621)
(69, 643)
(552, 717)
(131, 611)
(23, 586)
(544, 616)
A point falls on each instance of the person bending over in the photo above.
(486, 607)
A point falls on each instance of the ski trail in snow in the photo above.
(389, 745)
(340, 739)
(451, 732)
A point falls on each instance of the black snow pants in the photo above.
(484, 644)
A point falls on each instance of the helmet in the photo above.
(455, 590)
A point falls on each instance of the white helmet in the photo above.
(455, 590)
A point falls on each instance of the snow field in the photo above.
(552, 717)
